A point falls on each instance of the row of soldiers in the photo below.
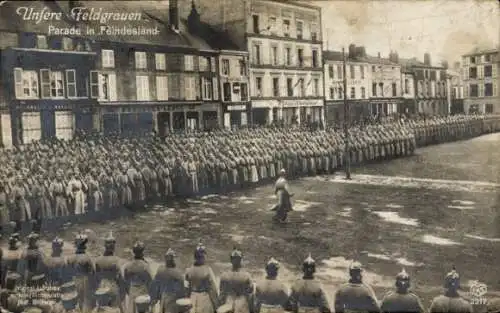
(108, 283)
(43, 181)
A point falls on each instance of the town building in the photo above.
(408, 92)
(480, 70)
(385, 93)
(456, 88)
(45, 79)
(284, 41)
(358, 85)
(233, 72)
(430, 82)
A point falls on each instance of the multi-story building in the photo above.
(45, 79)
(431, 89)
(358, 85)
(284, 42)
(456, 89)
(385, 91)
(233, 71)
(408, 92)
(480, 75)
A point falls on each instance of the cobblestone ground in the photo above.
(426, 213)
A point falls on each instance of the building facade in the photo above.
(408, 92)
(385, 92)
(431, 86)
(358, 84)
(45, 81)
(480, 75)
(456, 89)
(283, 39)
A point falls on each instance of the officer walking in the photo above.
(402, 300)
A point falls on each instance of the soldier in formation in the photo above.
(271, 294)
(402, 300)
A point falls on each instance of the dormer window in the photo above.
(41, 42)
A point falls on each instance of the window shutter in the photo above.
(112, 87)
(244, 120)
(494, 71)
(227, 120)
(216, 88)
(18, 79)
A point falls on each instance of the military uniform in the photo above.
(56, 265)
(137, 277)
(32, 260)
(307, 294)
(355, 295)
(11, 258)
(402, 300)
(271, 295)
(236, 287)
(201, 284)
(168, 285)
(451, 301)
(108, 275)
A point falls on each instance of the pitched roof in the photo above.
(376, 60)
(482, 50)
(217, 39)
(332, 55)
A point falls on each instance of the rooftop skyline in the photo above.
(446, 29)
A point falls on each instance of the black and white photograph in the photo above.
(250, 156)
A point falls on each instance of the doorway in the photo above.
(163, 119)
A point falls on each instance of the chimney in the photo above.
(379, 55)
(444, 64)
(394, 57)
(173, 14)
(427, 59)
(193, 20)
(352, 50)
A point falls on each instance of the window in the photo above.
(488, 71)
(71, 83)
(243, 68)
(226, 90)
(374, 89)
(204, 64)
(300, 57)
(302, 88)
(26, 84)
(374, 68)
(225, 67)
(274, 55)
(67, 44)
(288, 56)
(256, 54)
(276, 87)
(316, 87)
(244, 91)
(32, 128)
(272, 24)
(189, 63)
(258, 86)
(45, 82)
(330, 71)
(94, 84)
(289, 87)
(256, 27)
(488, 108)
(473, 60)
(314, 31)
(353, 93)
(352, 70)
(160, 61)
(56, 85)
(286, 28)
(64, 125)
(140, 60)
(161, 88)
(488, 90)
(315, 58)
(341, 93)
(332, 93)
(487, 58)
(426, 74)
(407, 87)
(300, 29)
(381, 88)
(363, 93)
(41, 42)
(394, 90)
(190, 88)
(108, 58)
(215, 89)
(142, 87)
(207, 91)
(473, 90)
(362, 71)
(420, 88)
(340, 72)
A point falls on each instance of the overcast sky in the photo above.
(446, 29)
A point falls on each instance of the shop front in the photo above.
(302, 111)
(384, 107)
(180, 117)
(235, 115)
(265, 112)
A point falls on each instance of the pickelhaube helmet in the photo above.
(81, 239)
(57, 243)
(272, 265)
(402, 279)
(309, 264)
(33, 237)
(200, 251)
(452, 279)
(236, 254)
(355, 268)
(138, 247)
(110, 239)
(170, 254)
